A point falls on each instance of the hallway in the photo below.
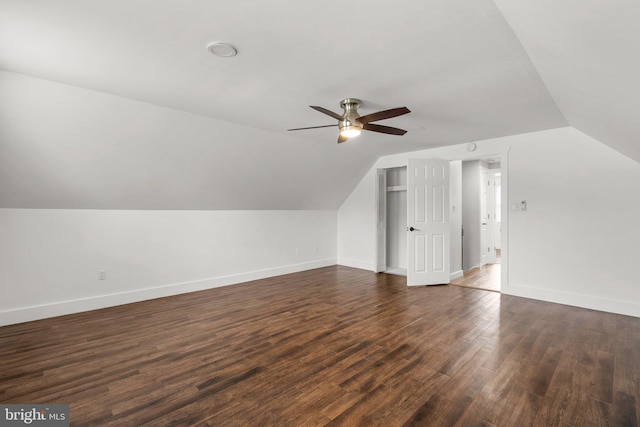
(486, 277)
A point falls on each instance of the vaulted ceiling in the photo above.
(118, 105)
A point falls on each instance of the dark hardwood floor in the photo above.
(332, 346)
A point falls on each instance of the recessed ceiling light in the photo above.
(222, 49)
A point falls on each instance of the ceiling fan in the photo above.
(351, 123)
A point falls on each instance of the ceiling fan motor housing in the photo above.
(351, 115)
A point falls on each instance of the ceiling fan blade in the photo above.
(383, 129)
(314, 127)
(386, 114)
(342, 139)
(327, 112)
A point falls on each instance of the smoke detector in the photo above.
(222, 49)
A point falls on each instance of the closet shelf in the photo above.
(397, 188)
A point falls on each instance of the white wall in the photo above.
(396, 229)
(357, 225)
(93, 150)
(471, 214)
(577, 243)
(50, 258)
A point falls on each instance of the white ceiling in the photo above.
(587, 55)
(117, 104)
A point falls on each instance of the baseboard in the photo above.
(577, 300)
(363, 265)
(398, 271)
(26, 314)
(456, 274)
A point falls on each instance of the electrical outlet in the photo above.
(297, 251)
(316, 249)
(102, 275)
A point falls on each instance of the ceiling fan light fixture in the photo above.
(350, 131)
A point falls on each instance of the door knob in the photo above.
(411, 229)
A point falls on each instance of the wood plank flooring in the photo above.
(334, 346)
(486, 277)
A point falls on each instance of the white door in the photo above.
(498, 204)
(428, 234)
(488, 218)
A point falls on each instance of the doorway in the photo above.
(482, 214)
(390, 244)
(396, 218)
(413, 222)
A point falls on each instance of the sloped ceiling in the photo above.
(117, 104)
(587, 55)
